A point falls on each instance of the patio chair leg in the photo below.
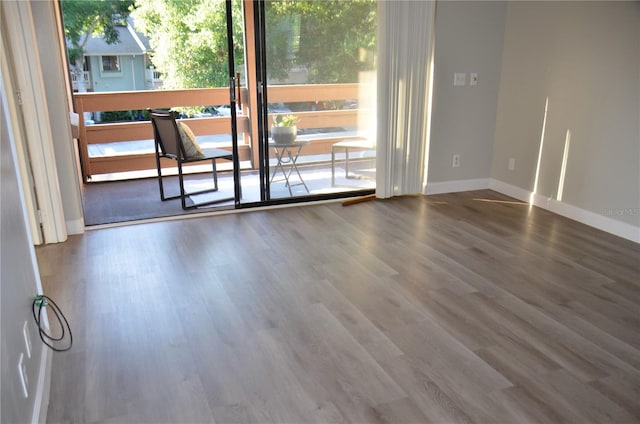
(333, 166)
(215, 175)
(161, 185)
(346, 162)
(159, 168)
(182, 191)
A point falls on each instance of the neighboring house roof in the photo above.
(131, 43)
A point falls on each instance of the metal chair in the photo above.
(169, 145)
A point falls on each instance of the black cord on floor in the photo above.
(42, 301)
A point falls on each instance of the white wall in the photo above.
(469, 38)
(19, 283)
(585, 58)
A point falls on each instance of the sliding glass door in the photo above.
(238, 73)
(315, 65)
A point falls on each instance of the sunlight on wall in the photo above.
(563, 169)
(544, 125)
(429, 115)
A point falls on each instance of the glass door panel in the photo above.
(311, 59)
(247, 176)
(321, 77)
(181, 61)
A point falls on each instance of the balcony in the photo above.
(86, 77)
(152, 79)
(124, 150)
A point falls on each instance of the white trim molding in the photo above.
(601, 222)
(75, 226)
(43, 390)
(14, 123)
(592, 219)
(457, 186)
(28, 71)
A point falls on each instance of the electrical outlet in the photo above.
(512, 164)
(456, 161)
(22, 372)
(27, 338)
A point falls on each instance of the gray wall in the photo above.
(53, 68)
(18, 285)
(468, 38)
(585, 57)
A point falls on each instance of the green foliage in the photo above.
(284, 120)
(124, 115)
(333, 40)
(194, 111)
(84, 18)
(190, 40)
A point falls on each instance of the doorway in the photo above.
(270, 74)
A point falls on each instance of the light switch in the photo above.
(459, 79)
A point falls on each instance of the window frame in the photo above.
(110, 72)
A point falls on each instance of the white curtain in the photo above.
(405, 44)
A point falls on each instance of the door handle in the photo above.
(239, 88)
(232, 90)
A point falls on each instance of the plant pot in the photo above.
(284, 134)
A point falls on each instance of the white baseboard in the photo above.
(456, 186)
(75, 227)
(510, 190)
(41, 403)
(601, 222)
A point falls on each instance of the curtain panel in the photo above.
(405, 58)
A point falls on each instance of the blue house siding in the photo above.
(130, 77)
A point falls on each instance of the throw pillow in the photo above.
(189, 142)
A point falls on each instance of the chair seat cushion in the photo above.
(191, 147)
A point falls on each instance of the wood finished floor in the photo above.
(468, 307)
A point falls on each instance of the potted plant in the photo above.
(284, 128)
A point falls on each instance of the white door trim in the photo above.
(23, 55)
(14, 118)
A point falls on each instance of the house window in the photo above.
(110, 64)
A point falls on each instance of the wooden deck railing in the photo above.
(130, 131)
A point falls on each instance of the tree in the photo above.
(189, 39)
(86, 18)
(332, 40)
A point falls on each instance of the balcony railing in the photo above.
(123, 132)
(152, 79)
(85, 75)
